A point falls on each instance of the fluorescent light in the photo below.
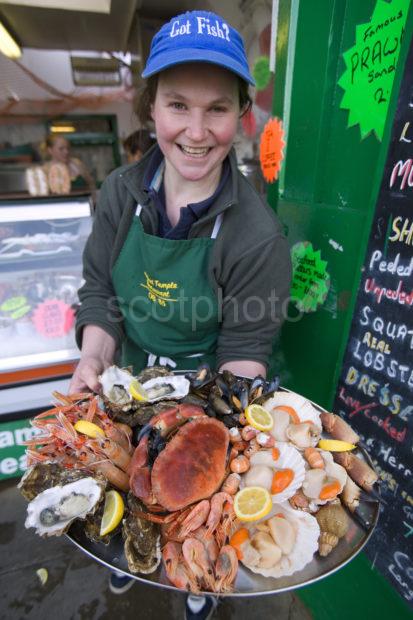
(62, 128)
(92, 6)
(8, 45)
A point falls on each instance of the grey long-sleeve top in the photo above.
(249, 267)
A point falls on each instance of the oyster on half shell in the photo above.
(115, 388)
(53, 510)
(42, 476)
(174, 387)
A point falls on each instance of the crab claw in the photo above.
(361, 519)
(170, 419)
(358, 469)
(338, 428)
(140, 475)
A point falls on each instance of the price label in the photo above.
(271, 149)
(53, 318)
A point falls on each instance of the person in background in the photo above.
(71, 174)
(186, 263)
(136, 145)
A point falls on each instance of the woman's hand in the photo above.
(98, 352)
(85, 377)
(245, 368)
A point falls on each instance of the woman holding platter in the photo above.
(186, 264)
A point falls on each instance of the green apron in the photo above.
(78, 183)
(169, 308)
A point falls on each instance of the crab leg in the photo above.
(359, 470)
(338, 428)
(170, 419)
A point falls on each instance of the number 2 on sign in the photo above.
(378, 96)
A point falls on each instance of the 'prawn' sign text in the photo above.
(371, 64)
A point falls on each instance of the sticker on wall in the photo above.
(311, 280)
(53, 318)
(371, 65)
(271, 149)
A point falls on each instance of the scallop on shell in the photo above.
(52, 511)
(263, 467)
(296, 404)
(168, 387)
(307, 532)
(315, 479)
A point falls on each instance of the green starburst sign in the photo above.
(261, 72)
(311, 281)
(370, 67)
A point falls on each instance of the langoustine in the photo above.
(59, 442)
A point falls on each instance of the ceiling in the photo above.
(129, 24)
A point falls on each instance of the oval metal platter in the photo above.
(247, 582)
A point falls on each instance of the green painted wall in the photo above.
(326, 193)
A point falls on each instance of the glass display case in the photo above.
(41, 246)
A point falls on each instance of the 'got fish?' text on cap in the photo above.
(204, 27)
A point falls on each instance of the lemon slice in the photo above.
(112, 512)
(335, 445)
(138, 392)
(259, 418)
(252, 503)
(89, 429)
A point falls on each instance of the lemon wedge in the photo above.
(112, 512)
(335, 445)
(42, 575)
(89, 429)
(259, 418)
(137, 391)
(252, 503)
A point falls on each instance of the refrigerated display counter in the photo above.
(41, 247)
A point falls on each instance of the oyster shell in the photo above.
(159, 388)
(142, 540)
(115, 388)
(152, 372)
(42, 476)
(54, 509)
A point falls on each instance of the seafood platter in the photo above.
(201, 481)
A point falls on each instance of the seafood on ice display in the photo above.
(202, 473)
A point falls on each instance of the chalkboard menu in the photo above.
(375, 391)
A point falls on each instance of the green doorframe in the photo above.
(327, 193)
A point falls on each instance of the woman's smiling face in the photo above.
(196, 112)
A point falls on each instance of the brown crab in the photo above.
(190, 468)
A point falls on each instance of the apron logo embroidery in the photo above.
(159, 292)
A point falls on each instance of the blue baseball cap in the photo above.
(198, 36)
